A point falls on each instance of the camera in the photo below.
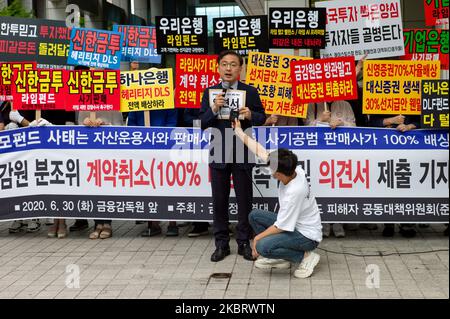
(234, 114)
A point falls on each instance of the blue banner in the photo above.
(163, 138)
(139, 43)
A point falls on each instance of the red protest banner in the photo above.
(93, 90)
(436, 12)
(38, 89)
(6, 77)
(426, 45)
(323, 80)
(193, 75)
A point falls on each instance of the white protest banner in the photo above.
(234, 101)
(356, 28)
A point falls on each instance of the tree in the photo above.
(16, 9)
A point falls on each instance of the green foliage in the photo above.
(16, 9)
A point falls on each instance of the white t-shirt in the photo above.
(298, 209)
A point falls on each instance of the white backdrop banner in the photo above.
(355, 28)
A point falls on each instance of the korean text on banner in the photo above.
(270, 73)
(393, 87)
(194, 73)
(241, 34)
(297, 28)
(6, 77)
(356, 174)
(426, 45)
(39, 89)
(182, 34)
(356, 28)
(93, 90)
(434, 104)
(139, 43)
(324, 80)
(95, 48)
(146, 90)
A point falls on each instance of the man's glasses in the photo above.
(232, 65)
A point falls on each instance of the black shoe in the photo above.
(407, 232)
(172, 231)
(79, 224)
(151, 231)
(388, 231)
(246, 251)
(446, 232)
(220, 254)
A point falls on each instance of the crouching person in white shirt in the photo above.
(291, 235)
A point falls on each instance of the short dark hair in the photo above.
(283, 161)
(230, 52)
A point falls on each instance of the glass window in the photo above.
(227, 12)
(218, 12)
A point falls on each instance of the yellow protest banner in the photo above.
(393, 87)
(146, 90)
(270, 74)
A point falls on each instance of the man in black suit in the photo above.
(228, 156)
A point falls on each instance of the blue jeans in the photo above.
(290, 246)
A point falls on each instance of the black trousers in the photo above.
(220, 183)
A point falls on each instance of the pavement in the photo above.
(128, 266)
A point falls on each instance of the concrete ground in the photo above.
(128, 266)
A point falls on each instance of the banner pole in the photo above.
(147, 118)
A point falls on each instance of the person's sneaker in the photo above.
(172, 231)
(80, 224)
(62, 231)
(16, 226)
(388, 231)
(151, 231)
(338, 231)
(52, 231)
(198, 231)
(326, 230)
(33, 226)
(306, 267)
(268, 263)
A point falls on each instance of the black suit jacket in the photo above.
(228, 153)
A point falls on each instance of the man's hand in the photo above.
(255, 253)
(219, 102)
(43, 122)
(405, 128)
(271, 120)
(397, 120)
(245, 111)
(88, 122)
(336, 122)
